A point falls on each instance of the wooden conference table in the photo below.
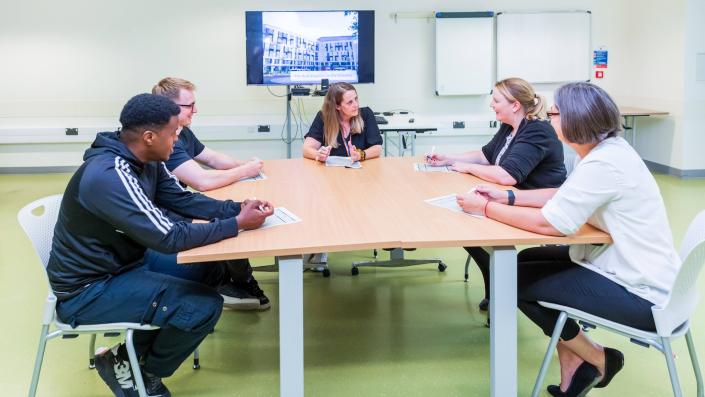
(379, 206)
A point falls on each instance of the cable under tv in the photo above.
(300, 91)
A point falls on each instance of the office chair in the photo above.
(672, 320)
(396, 259)
(37, 220)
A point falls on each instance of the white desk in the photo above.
(406, 132)
(630, 114)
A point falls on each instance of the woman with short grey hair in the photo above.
(610, 189)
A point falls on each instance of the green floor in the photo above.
(386, 332)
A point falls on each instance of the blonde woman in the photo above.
(524, 153)
(342, 128)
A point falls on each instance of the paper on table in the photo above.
(450, 203)
(339, 161)
(259, 177)
(423, 167)
(281, 216)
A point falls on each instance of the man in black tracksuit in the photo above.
(120, 202)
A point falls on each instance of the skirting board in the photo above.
(664, 169)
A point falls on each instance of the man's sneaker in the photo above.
(154, 385)
(252, 288)
(113, 366)
(237, 298)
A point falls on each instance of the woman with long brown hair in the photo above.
(342, 128)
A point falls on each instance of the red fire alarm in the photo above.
(599, 74)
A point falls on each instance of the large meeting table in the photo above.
(380, 205)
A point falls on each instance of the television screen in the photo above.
(304, 47)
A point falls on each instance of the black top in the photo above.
(115, 207)
(185, 149)
(534, 157)
(369, 136)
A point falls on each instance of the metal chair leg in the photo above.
(549, 353)
(196, 359)
(38, 361)
(672, 371)
(134, 363)
(467, 266)
(694, 361)
(91, 352)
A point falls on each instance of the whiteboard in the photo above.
(544, 47)
(464, 53)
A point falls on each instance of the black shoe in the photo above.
(484, 304)
(113, 366)
(252, 288)
(237, 298)
(614, 361)
(154, 386)
(584, 379)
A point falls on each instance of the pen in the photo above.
(430, 155)
(260, 207)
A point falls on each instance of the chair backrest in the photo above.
(38, 219)
(569, 157)
(684, 295)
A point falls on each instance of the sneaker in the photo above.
(154, 386)
(237, 298)
(113, 366)
(252, 288)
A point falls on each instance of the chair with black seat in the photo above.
(38, 219)
(672, 320)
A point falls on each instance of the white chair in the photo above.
(38, 219)
(672, 320)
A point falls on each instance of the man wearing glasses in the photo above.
(242, 292)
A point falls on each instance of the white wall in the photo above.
(85, 59)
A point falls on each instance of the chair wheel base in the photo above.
(442, 267)
(354, 271)
(326, 272)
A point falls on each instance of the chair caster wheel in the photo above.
(442, 267)
(196, 364)
(354, 271)
(91, 363)
(326, 272)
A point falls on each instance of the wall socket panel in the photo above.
(458, 124)
(263, 128)
(72, 131)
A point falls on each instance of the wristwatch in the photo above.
(362, 154)
(510, 197)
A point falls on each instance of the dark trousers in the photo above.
(238, 270)
(482, 258)
(548, 274)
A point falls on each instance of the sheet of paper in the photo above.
(339, 161)
(259, 177)
(423, 167)
(450, 203)
(281, 216)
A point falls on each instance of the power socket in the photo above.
(263, 128)
(72, 131)
(458, 124)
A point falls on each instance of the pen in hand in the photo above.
(429, 156)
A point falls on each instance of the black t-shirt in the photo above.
(534, 157)
(369, 136)
(185, 149)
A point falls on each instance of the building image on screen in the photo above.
(305, 47)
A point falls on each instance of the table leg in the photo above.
(291, 326)
(503, 316)
(384, 139)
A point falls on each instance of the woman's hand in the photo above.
(322, 153)
(472, 202)
(354, 154)
(492, 193)
(438, 159)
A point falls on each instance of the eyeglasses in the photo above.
(551, 114)
(189, 106)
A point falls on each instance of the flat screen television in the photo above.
(305, 47)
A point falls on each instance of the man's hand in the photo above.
(253, 167)
(253, 213)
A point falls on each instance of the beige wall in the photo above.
(85, 59)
